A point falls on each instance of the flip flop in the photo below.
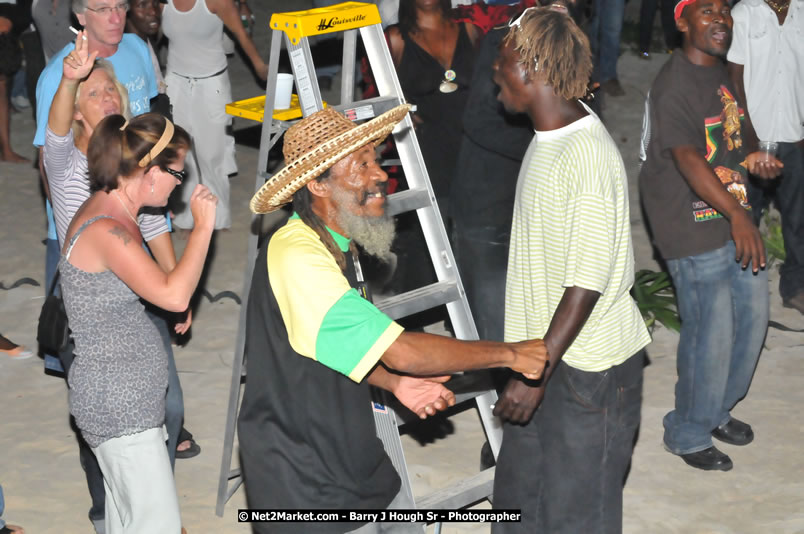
(17, 353)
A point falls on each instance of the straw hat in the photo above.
(316, 143)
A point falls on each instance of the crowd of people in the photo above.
(526, 176)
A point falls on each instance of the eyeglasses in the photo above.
(107, 10)
(179, 175)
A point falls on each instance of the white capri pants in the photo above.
(199, 106)
(140, 490)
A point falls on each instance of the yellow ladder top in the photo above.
(337, 18)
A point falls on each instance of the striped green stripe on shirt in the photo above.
(572, 228)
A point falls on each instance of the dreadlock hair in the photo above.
(551, 44)
(303, 206)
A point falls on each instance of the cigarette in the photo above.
(77, 32)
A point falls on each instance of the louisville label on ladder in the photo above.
(351, 18)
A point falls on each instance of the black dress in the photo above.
(439, 136)
(420, 75)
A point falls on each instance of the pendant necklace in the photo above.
(448, 85)
(120, 200)
(777, 7)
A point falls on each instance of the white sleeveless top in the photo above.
(196, 46)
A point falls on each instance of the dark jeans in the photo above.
(482, 257)
(788, 193)
(566, 468)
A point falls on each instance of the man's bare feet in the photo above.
(14, 528)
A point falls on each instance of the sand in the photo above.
(44, 485)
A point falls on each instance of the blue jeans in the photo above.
(174, 398)
(604, 35)
(566, 468)
(724, 314)
(2, 508)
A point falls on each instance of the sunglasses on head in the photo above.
(516, 19)
(179, 175)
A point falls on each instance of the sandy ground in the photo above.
(44, 485)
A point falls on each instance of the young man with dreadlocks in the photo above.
(314, 341)
(568, 437)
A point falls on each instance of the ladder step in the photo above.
(408, 200)
(423, 298)
(460, 494)
(368, 108)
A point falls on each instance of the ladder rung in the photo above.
(408, 200)
(460, 494)
(419, 299)
(368, 108)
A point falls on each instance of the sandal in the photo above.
(193, 450)
(12, 529)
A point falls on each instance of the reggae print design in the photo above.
(724, 153)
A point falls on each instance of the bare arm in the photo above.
(162, 248)
(396, 44)
(427, 354)
(229, 14)
(123, 255)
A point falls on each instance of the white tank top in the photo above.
(196, 40)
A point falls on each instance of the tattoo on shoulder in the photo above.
(122, 234)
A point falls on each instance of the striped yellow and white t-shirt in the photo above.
(572, 228)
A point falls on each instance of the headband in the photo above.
(160, 145)
(680, 7)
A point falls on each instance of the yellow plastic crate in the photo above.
(254, 109)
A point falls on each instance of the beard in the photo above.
(375, 235)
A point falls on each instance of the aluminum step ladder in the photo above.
(351, 18)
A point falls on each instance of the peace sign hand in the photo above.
(78, 63)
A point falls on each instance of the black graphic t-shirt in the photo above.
(691, 105)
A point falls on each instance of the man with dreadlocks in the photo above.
(314, 342)
(568, 438)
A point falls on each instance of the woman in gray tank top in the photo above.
(118, 380)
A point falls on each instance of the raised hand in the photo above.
(424, 396)
(78, 64)
(203, 205)
(531, 356)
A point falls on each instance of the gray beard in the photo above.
(374, 234)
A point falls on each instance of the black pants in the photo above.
(566, 468)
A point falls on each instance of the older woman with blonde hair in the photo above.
(120, 374)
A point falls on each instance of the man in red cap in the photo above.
(693, 187)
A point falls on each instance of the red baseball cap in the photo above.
(680, 7)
